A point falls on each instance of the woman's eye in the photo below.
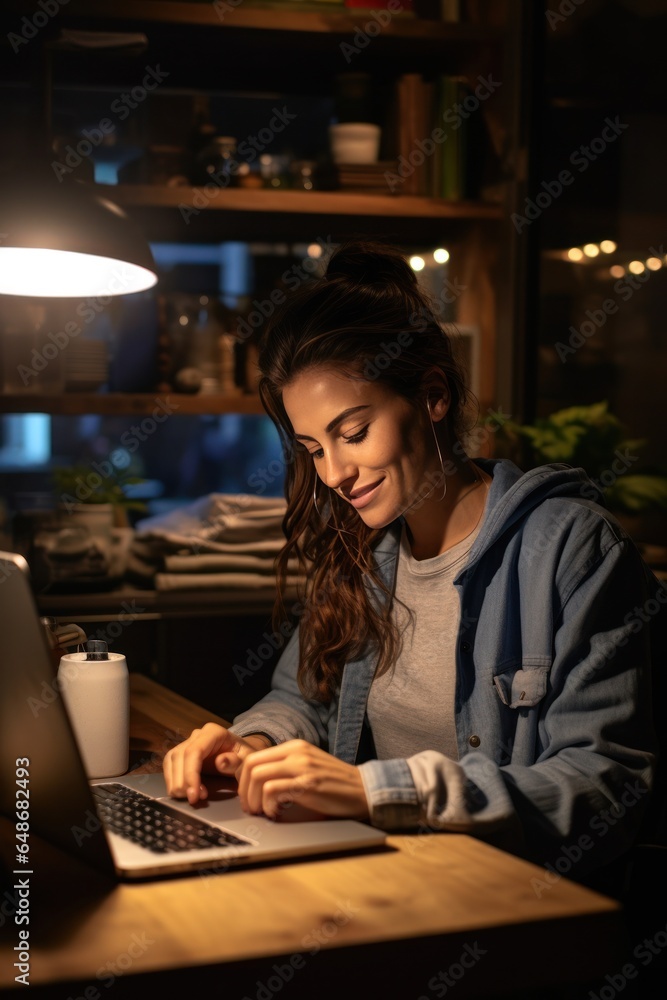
(353, 439)
(358, 437)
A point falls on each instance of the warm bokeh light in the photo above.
(441, 256)
(607, 246)
(417, 263)
(654, 263)
(66, 274)
(314, 250)
(591, 249)
(636, 267)
(617, 271)
(575, 254)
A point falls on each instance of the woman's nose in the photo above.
(336, 472)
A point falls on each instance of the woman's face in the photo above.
(366, 442)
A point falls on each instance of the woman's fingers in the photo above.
(288, 769)
(183, 765)
(279, 794)
(272, 756)
(298, 771)
(173, 767)
(270, 778)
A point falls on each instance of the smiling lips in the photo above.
(364, 495)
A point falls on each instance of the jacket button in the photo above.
(474, 741)
(466, 647)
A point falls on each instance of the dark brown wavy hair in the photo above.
(367, 298)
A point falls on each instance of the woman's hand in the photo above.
(296, 771)
(209, 750)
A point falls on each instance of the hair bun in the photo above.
(363, 262)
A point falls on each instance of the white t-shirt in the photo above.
(411, 706)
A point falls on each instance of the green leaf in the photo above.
(592, 438)
(638, 492)
(70, 480)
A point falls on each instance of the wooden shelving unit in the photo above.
(264, 50)
(116, 404)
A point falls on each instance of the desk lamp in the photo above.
(58, 237)
(64, 241)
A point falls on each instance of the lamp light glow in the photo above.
(38, 272)
(67, 242)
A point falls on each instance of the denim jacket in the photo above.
(553, 694)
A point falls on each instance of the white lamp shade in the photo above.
(65, 241)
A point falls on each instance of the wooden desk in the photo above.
(394, 918)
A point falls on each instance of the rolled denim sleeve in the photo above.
(425, 789)
(391, 794)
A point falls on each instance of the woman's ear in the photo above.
(438, 396)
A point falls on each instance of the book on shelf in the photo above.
(438, 10)
(305, 6)
(395, 7)
(449, 166)
(465, 150)
(364, 177)
(450, 10)
(408, 136)
(438, 136)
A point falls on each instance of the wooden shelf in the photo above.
(332, 203)
(90, 605)
(292, 49)
(115, 404)
(191, 215)
(334, 21)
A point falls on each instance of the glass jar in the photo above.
(33, 339)
(303, 174)
(274, 170)
(205, 342)
(178, 323)
(217, 163)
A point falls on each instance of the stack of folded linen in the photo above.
(220, 541)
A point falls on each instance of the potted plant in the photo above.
(592, 438)
(96, 496)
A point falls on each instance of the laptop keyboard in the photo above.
(152, 824)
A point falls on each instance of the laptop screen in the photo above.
(36, 734)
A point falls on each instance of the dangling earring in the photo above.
(442, 464)
(329, 523)
(315, 501)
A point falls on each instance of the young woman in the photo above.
(470, 657)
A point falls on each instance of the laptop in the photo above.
(127, 827)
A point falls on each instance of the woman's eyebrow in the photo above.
(334, 423)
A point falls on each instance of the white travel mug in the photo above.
(95, 688)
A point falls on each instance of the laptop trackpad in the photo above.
(222, 804)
